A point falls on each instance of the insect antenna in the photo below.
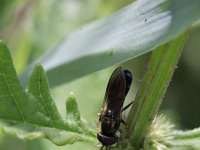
(127, 106)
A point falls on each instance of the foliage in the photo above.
(136, 29)
(32, 113)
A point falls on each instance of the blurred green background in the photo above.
(32, 27)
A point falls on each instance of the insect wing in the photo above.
(116, 90)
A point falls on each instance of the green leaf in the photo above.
(38, 88)
(72, 109)
(128, 33)
(189, 139)
(32, 113)
(162, 136)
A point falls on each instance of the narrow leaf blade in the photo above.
(128, 33)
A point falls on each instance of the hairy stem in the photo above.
(153, 88)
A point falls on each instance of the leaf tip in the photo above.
(71, 94)
(4, 52)
(72, 107)
(38, 69)
(71, 99)
(1, 41)
(38, 66)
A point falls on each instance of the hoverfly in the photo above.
(110, 117)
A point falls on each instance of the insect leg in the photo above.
(123, 122)
(127, 106)
(101, 147)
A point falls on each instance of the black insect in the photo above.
(110, 117)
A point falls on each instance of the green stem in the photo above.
(189, 139)
(149, 97)
(190, 134)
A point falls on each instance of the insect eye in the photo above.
(128, 77)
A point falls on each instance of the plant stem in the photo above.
(152, 90)
(189, 139)
(190, 134)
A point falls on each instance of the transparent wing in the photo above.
(115, 91)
